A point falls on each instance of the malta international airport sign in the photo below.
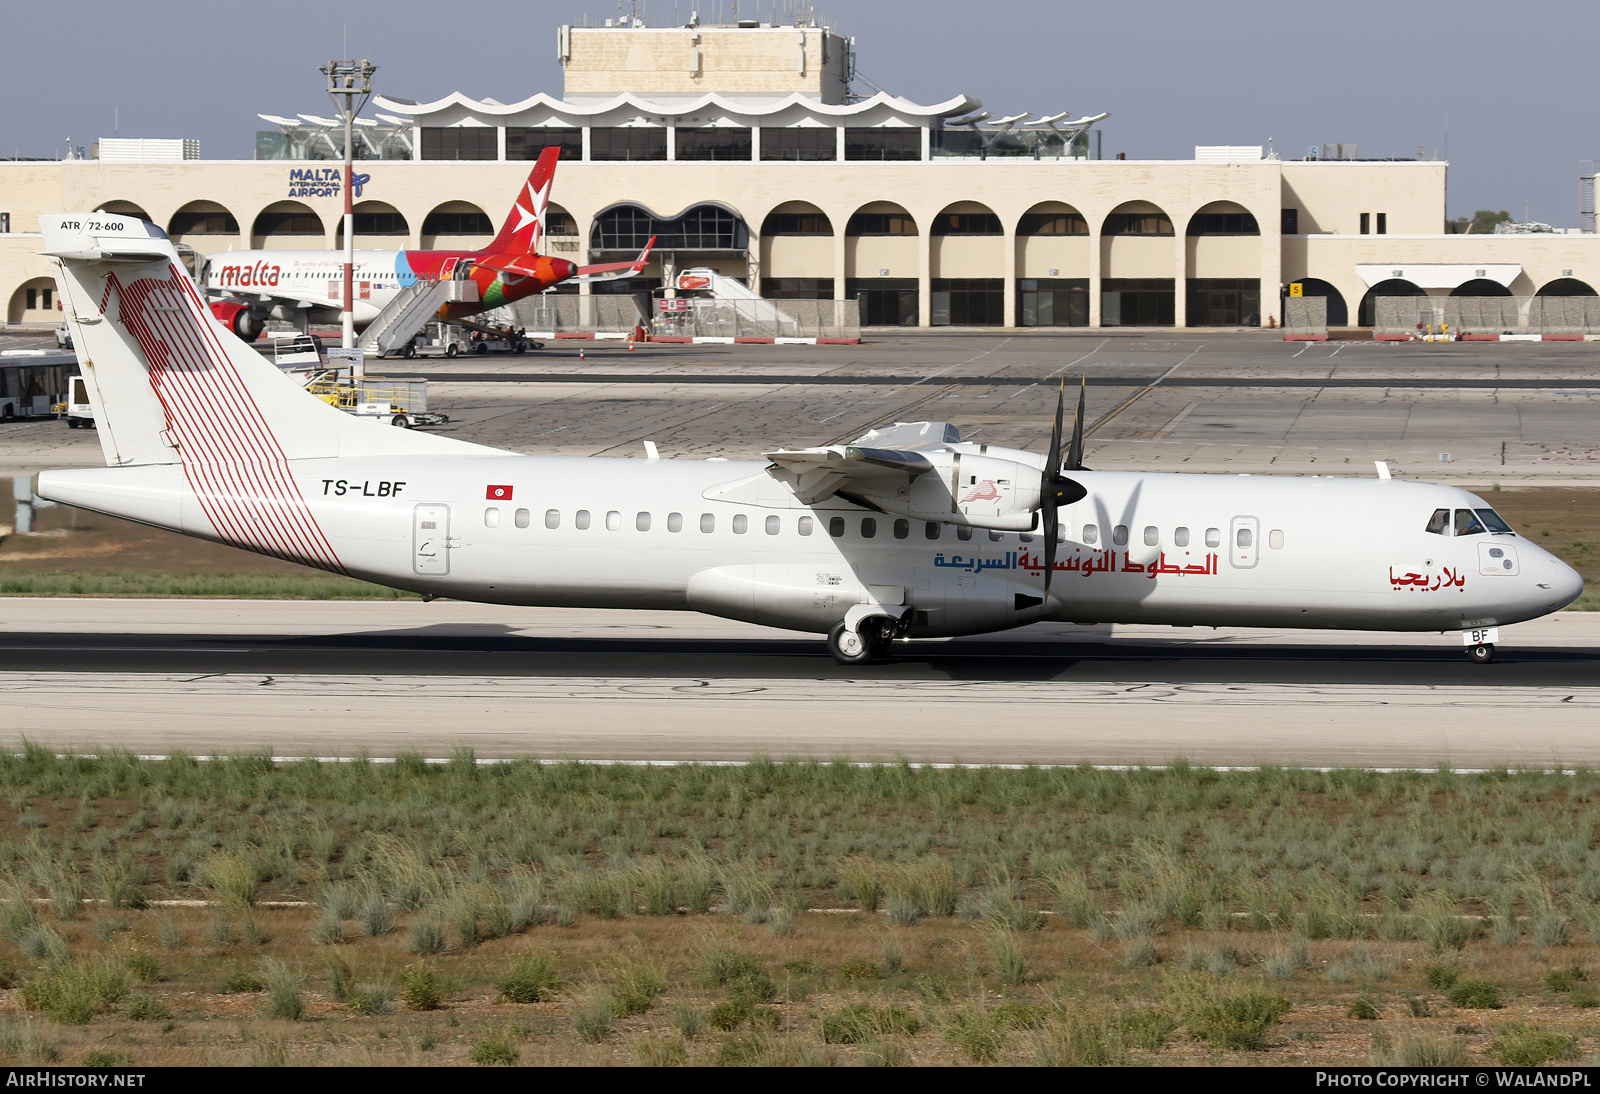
(322, 182)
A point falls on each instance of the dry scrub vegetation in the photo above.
(234, 910)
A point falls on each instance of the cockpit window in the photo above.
(1439, 523)
(1467, 523)
(1493, 521)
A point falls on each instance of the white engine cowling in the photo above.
(971, 489)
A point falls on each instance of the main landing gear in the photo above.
(1481, 654)
(870, 643)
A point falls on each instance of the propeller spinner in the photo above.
(1057, 489)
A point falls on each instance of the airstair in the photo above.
(410, 311)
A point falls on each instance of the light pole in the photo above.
(351, 80)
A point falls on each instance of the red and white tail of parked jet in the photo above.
(246, 288)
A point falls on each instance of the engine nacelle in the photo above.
(967, 488)
(238, 318)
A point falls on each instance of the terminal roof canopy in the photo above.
(706, 110)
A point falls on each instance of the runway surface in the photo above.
(1473, 414)
(304, 678)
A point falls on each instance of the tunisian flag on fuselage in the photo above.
(498, 493)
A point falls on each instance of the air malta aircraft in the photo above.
(907, 533)
(249, 287)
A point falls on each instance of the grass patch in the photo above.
(1470, 994)
(1522, 1045)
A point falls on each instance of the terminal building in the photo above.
(746, 149)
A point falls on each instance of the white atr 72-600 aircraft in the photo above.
(909, 532)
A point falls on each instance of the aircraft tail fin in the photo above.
(523, 230)
(170, 384)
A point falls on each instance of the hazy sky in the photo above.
(1513, 83)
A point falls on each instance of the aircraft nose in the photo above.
(1564, 584)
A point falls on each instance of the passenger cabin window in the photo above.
(1091, 533)
(869, 527)
(995, 537)
(1180, 537)
(1213, 537)
(642, 522)
(1119, 534)
(741, 524)
(1439, 523)
(774, 525)
(674, 522)
(580, 520)
(1243, 538)
(931, 529)
(1275, 539)
(708, 523)
(491, 518)
(836, 527)
(552, 518)
(806, 524)
(523, 518)
(1467, 523)
(902, 528)
(613, 521)
(1152, 536)
(963, 532)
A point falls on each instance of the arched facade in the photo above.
(967, 266)
(1222, 256)
(122, 208)
(288, 225)
(1338, 310)
(456, 226)
(1367, 312)
(1481, 286)
(204, 225)
(1567, 286)
(34, 301)
(378, 225)
(1052, 248)
(883, 255)
(1137, 252)
(797, 253)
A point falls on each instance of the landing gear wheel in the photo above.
(850, 647)
(1481, 655)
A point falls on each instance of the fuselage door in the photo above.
(1244, 542)
(430, 539)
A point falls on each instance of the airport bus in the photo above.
(32, 390)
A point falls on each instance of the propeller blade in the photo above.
(1075, 449)
(1052, 460)
(1052, 525)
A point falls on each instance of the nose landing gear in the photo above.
(1481, 654)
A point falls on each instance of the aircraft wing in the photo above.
(612, 271)
(818, 473)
